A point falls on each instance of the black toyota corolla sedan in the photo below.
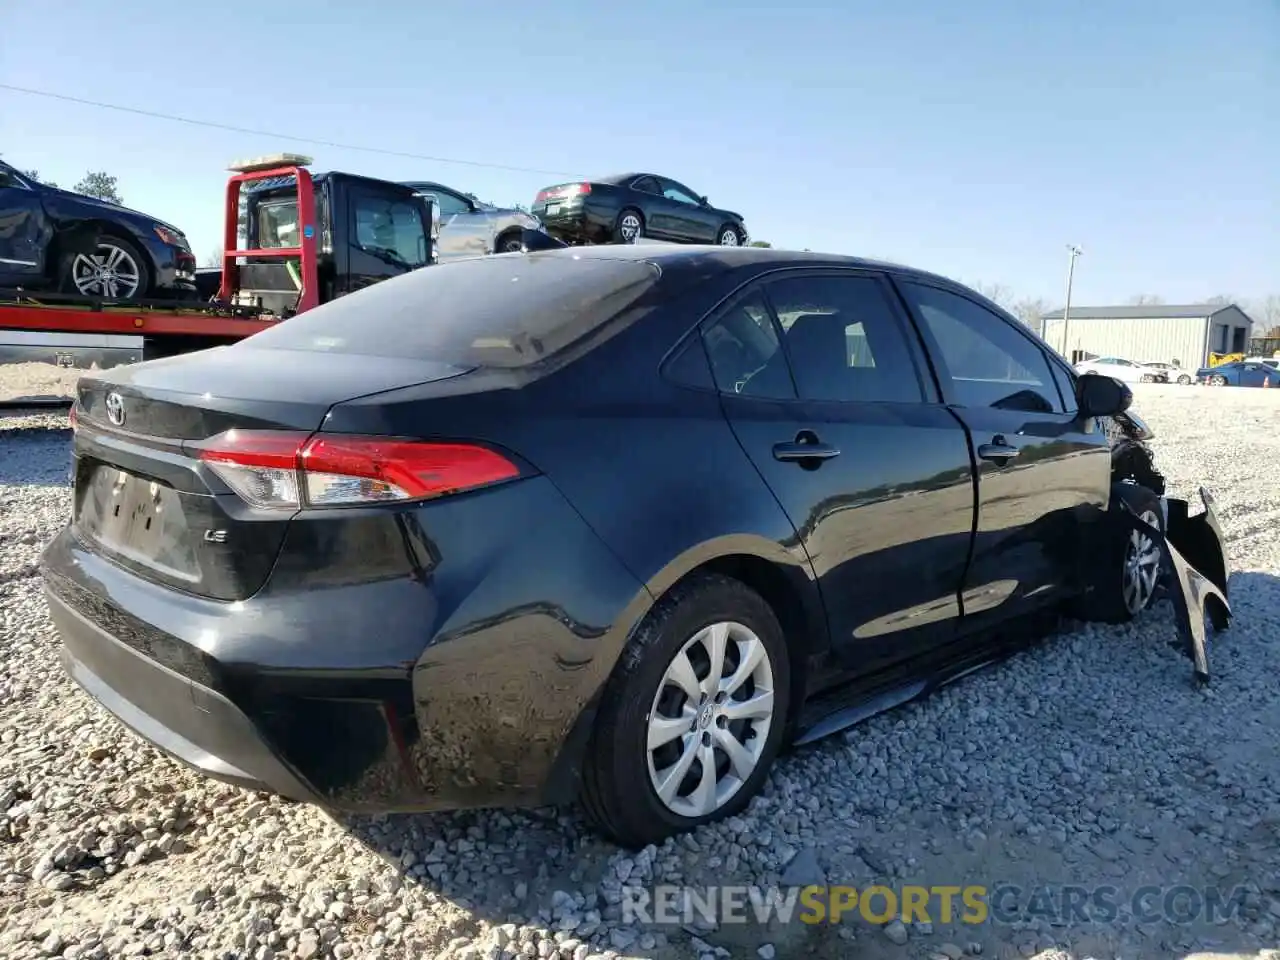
(611, 524)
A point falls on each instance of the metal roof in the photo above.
(1143, 311)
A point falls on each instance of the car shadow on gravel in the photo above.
(35, 455)
(544, 868)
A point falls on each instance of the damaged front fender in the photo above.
(1196, 562)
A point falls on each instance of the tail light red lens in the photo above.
(284, 470)
(563, 192)
(72, 416)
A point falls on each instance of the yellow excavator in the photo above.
(1218, 359)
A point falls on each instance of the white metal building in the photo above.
(1150, 333)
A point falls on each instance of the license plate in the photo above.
(552, 208)
(139, 519)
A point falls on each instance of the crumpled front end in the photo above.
(1196, 563)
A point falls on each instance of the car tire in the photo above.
(1184, 380)
(1130, 562)
(629, 226)
(726, 232)
(1148, 378)
(73, 265)
(510, 242)
(643, 704)
(1217, 380)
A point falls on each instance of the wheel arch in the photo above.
(81, 237)
(508, 231)
(736, 228)
(760, 564)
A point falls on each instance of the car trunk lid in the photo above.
(146, 499)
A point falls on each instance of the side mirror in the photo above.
(704, 201)
(1101, 396)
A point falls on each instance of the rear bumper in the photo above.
(369, 675)
(580, 221)
(188, 721)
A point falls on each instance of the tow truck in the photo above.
(308, 238)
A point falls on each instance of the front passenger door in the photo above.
(690, 220)
(1044, 472)
(1252, 374)
(829, 397)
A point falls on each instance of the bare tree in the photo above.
(100, 184)
(35, 175)
(1221, 300)
(1031, 311)
(1141, 299)
(1265, 312)
(996, 293)
(213, 258)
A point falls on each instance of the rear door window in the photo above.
(492, 312)
(844, 340)
(746, 352)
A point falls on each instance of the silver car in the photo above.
(469, 228)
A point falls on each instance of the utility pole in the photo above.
(1073, 251)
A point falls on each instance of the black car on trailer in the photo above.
(622, 208)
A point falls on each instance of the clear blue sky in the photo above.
(975, 139)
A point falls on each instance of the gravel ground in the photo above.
(1090, 760)
(36, 380)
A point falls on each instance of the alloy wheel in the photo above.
(1141, 566)
(110, 272)
(729, 238)
(630, 227)
(710, 719)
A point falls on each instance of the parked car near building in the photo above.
(55, 239)
(1117, 367)
(1188, 333)
(469, 228)
(1160, 372)
(1241, 373)
(618, 209)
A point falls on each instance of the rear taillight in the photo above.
(284, 470)
(563, 192)
(71, 416)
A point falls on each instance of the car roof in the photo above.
(678, 255)
(690, 259)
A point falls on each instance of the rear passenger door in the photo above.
(1044, 472)
(828, 394)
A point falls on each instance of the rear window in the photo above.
(503, 312)
(278, 224)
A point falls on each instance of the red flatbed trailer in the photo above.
(198, 324)
(30, 314)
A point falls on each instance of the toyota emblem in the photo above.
(115, 409)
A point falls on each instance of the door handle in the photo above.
(806, 446)
(998, 450)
